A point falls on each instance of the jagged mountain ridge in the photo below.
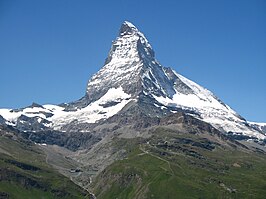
(132, 75)
(259, 126)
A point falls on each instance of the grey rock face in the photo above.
(25, 123)
(2, 120)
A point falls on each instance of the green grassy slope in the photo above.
(182, 166)
(24, 172)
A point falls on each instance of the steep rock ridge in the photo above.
(132, 77)
(259, 126)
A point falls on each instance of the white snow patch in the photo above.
(94, 111)
(9, 115)
(258, 123)
(90, 114)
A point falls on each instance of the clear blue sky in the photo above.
(50, 48)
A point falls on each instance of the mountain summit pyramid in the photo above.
(131, 81)
(130, 64)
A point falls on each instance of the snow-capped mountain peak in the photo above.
(129, 54)
(127, 28)
(131, 64)
(131, 73)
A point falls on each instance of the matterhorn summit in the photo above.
(130, 64)
(132, 83)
